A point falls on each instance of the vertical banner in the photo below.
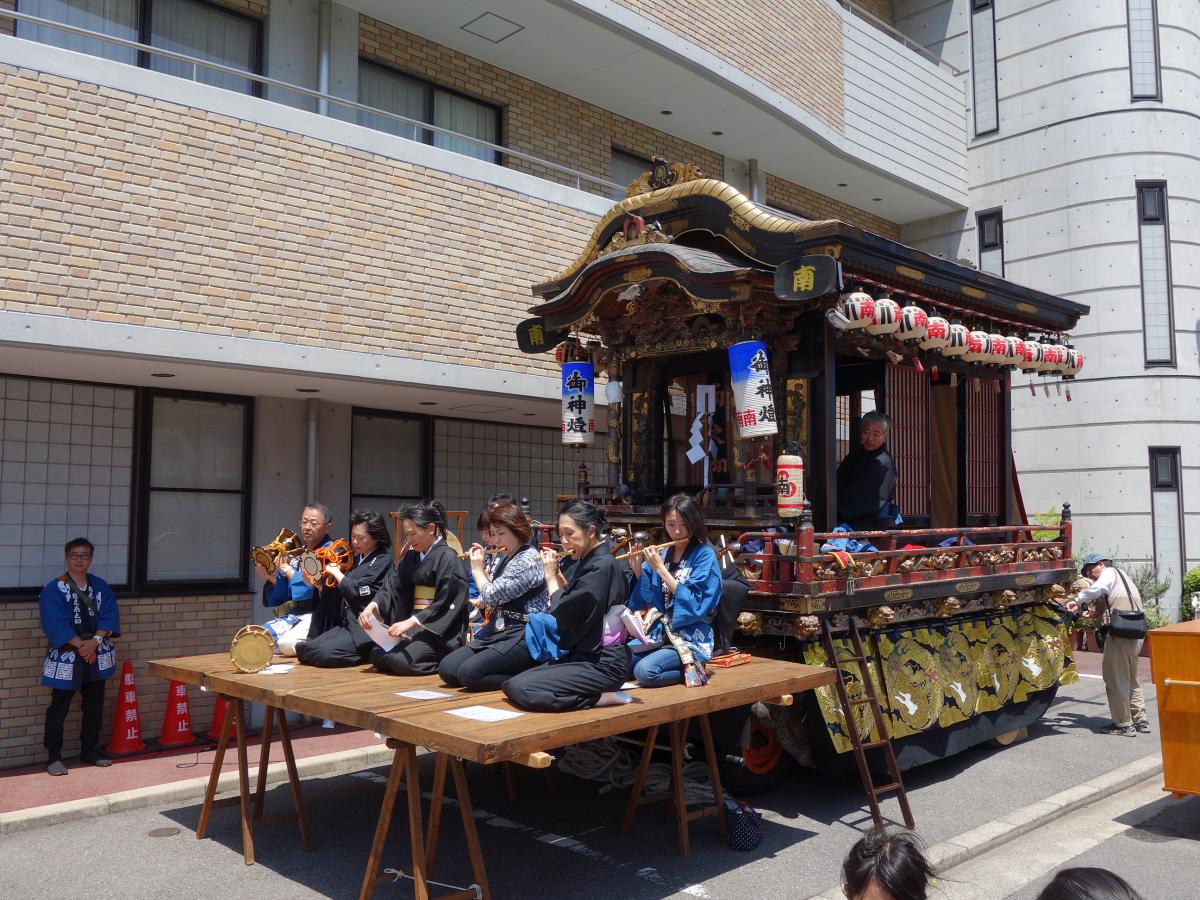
(750, 377)
(578, 403)
(701, 445)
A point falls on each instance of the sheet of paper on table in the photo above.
(422, 695)
(485, 713)
(378, 632)
(277, 669)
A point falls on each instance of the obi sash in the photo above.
(423, 595)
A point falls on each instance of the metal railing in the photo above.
(900, 36)
(572, 176)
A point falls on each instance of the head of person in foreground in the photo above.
(887, 865)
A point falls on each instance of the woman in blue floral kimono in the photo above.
(79, 617)
(677, 594)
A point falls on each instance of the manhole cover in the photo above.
(163, 832)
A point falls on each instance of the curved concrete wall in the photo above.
(1063, 166)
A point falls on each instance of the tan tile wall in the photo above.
(537, 120)
(152, 628)
(800, 200)
(880, 9)
(8, 26)
(793, 46)
(239, 226)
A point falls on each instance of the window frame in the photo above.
(1135, 97)
(427, 117)
(427, 455)
(1164, 222)
(144, 31)
(981, 219)
(979, 6)
(1175, 454)
(140, 517)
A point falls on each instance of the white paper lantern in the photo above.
(937, 334)
(1074, 363)
(956, 343)
(997, 350)
(1015, 351)
(859, 308)
(914, 324)
(978, 344)
(578, 403)
(886, 319)
(750, 378)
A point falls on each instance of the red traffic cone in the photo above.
(220, 711)
(126, 738)
(177, 724)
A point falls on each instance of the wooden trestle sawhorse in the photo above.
(883, 740)
(236, 713)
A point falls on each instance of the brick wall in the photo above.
(800, 200)
(8, 26)
(880, 9)
(792, 46)
(152, 628)
(537, 120)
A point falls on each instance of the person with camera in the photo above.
(1113, 600)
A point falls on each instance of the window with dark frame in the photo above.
(1145, 80)
(1164, 468)
(1154, 243)
(1166, 514)
(990, 227)
(193, 499)
(983, 68)
(391, 90)
(626, 169)
(390, 463)
(196, 28)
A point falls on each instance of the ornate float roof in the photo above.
(721, 238)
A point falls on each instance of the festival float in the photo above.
(737, 347)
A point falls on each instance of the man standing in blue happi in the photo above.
(79, 617)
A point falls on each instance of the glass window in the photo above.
(197, 489)
(206, 32)
(983, 68)
(1166, 505)
(404, 95)
(116, 18)
(991, 242)
(1143, 50)
(627, 168)
(387, 467)
(1158, 324)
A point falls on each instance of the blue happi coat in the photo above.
(695, 602)
(281, 590)
(63, 618)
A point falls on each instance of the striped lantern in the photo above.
(937, 334)
(1015, 351)
(1074, 363)
(914, 324)
(1034, 351)
(1050, 358)
(956, 343)
(750, 378)
(978, 344)
(997, 350)
(578, 403)
(1058, 363)
(887, 317)
(859, 308)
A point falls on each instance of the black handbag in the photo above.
(1125, 624)
(742, 831)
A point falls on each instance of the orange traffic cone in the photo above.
(177, 724)
(126, 738)
(220, 711)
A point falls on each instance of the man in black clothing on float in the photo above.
(866, 478)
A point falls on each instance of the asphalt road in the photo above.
(563, 843)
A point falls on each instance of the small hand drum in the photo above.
(311, 564)
(261, 556)
(252, 649)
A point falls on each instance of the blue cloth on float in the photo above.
(847, 545)
(541, 637)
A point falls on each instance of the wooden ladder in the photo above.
(870, 788)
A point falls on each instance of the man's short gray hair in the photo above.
(875, 416)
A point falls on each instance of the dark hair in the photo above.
(509, 515)
(321, 508)
(585, 515)
(424, 513)
(894, 862)
(689, 510)
(1088, 884)
(501, 498)
(79, 542)
(376, 526)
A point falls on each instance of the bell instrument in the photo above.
(652, 547)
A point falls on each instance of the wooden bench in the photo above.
(366, 699)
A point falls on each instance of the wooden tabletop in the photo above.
(361, 697)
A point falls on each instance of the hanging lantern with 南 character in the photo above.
(750, 378)
(914, 324)
(859, 307)
(937, 334)
(977, 347)
(886, 319)
(956, 342)
(578, 403)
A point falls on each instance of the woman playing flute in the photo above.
(678, 592)
(514, 589)
(424, 601)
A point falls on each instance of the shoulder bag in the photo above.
(1126, 624)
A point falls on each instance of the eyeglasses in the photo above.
(312, 523)
(79, 556)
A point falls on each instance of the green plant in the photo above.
(1152, 589)
(1154, 615)
(1049, 521)
(1191, 585)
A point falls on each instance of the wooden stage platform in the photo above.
(364, 698)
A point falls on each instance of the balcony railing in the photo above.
(892, 32)
(557, 173)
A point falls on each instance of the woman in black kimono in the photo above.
(335, 639)
(424, 601)
(514, 589)
(579, 668)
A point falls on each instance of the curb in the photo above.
(339, 763)
(957, 850)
